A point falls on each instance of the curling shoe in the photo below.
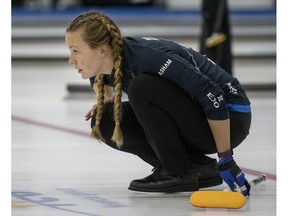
(208, 174)
(162, 181)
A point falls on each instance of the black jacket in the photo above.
(206, 83)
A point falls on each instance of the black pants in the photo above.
(163, 126)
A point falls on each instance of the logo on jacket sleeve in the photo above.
(164, 67)
(215, 100)
(232, 89)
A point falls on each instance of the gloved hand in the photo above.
(233, 175)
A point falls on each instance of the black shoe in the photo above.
(208, 174)
(161, 181)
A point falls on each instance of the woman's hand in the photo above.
(233, 175)
(91, 112)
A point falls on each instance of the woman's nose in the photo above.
(71, 60)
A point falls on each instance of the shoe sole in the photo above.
(210, 182)
(173, 189)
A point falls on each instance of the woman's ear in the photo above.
(104, 49)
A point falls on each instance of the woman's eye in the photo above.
(75, 52)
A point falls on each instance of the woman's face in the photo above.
(88, 61)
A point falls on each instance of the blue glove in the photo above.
(233, 175)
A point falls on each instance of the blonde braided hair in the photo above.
(100, 29)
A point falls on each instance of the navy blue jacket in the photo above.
(206, 83)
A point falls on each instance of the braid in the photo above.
(116, 44)
(99, 88)
(117, 135)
